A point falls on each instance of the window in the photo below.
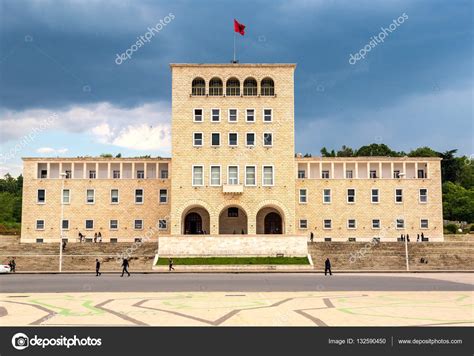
(233, 138)
(250, 87)
(250, 115)
(65, 224)
(267, 115)
(138, 196)
(140, 174)
(68, 174)
(374, 196)
(216, 115)
(113, 224)
(66, 196)
(398, 195)
(267, 175)
(423, 223)
(198, 87)
(114, 196)
(375, 223)
(215, 139)
(232, 87)
(92, 174)
(267, 87)
(116, 174)
(162, 224)
(423, 195)
(215, 175)
(163, 196)
(325, 174)
(197, 139)
(421, 173)
(215, 87)
(250, 139)
(44, 173)
(396, 174)
(233, 212)
(301, 174)
(351, 223)
(233, 177)
(349, 174)
(90, 196)
(250, 175)
(233, 115)
(39, 224)
(303, 224)
(267, 139)
(400, 223)
(197, 115)
(303, 196)
(198, 175)
(373, 174)
(138, 225)
(89, 224)
(327, 224)
(351, 195)
(164, 174)
(326, 196)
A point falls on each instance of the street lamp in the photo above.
(63, 176)
(402, 175)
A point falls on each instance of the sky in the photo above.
(62, 92)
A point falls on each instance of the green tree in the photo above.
(458, 202)
(423, 152)
(326, 153)
(345, 151)
(376, 149)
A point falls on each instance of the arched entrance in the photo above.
(273, 224)
(196, 221)
(233, 220)
(193, 224)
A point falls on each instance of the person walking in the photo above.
(95, 237)
(64, 245)
(99, 237)
(125, 265)
(311, 237)
(170, 264)
(13, 265)
(408, 238)
(422, 236)
(97, 267)
(327, 267)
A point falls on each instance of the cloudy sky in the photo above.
(62, 93)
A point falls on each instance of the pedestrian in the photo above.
(97, 267)
(417, 237)
(125, 265)
(99, 237)
(327, 267)
(422, 236)
(408, 238)
(64, 245)
(311, 236)
(170, 264)
(95, 237)
(13, 265)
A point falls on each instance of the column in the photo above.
(391, 170)
(368, 169)
(380, 169)
(308, 169)
(356, 168)
(320, 170)
(121, 170)
(133, 171)
(96, 170)
(144, 169)
(404, 170)
(48, 169)
(108, 170)
(60, 169)
(344, 168)
(332, 171)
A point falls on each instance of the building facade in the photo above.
(233, 171)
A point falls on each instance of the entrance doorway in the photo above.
(273, 223)
(193, 224)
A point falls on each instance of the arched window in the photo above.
(199, 87)
(215, 87)
(250, 87)
(267, 87)
(232, 87)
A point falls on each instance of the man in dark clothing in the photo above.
(170, 264)
(97, 268)
(125, 265)
(327, 267)
(311, 236)
(12, 265)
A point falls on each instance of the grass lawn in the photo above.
(235, 261)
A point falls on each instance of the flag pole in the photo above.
(234, 47)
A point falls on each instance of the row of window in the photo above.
(114, 196)
(215, 175)
(374, 196)
(352, 224)
(372, 174)
(233, 139)
(233, 115)
(92, 174)
(113, 224)
(216, 87)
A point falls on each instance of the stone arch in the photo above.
(272, 206)
(233, 224)
(196, 206)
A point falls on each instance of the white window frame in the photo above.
(212, 115)
(237, 140)
(427, 224)
(192, 175)
(324, 224)
(347, 196)
(135, 224)
(216, 133)
(349, 172)
(263, 175)
(426, 196)
(305, 195)
(135, 196)
(303, 227)
(396, 223)
(194, 139)
(37, 196)
(36, 225)
(160, 226)
(140, 174)
(236, 115)
(348, 225)
(328, 174)
(93, 196)
(85, 224)
(263, 115)
(110, 225)
(69, 197)
(114, 172)
(395, 196)
(159, 196)
(194, 115)
(380, 224)
(228, 174)
(62, 225)
(263, 139)
(220, 175)
(254, 115)
(330, 196)
(372, 195)
(118, 196)
(92, 172)
(255, 171)
(254, 139)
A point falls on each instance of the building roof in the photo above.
(291, 65)
(367, 159)
(95, 159)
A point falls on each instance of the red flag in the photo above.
(238, 27)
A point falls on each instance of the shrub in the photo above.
(452, 228)
(471, 228)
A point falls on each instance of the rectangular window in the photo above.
(396, 174)
(197, 139)
(197, 117)
(140, 174)
(233, 115)
(373, 174)
(163, 196)
(267, 175)
(424, 223)
(250, 115)
(114, 196)
(90, 196)
(233, 177)
(138, 196)
(250, 139)
(138, 225)
(351, 223)
(44, 173)
(39, 224)
(351, 195)
(162, 224)
(267, 139)
(215, 139)
(164, 174)
(421, 173)
(303, 224)
(113, 224)
(375, 223)
(303, 196)
(325, 174)
(66, 196)
(423, 195)
(41, 196)
(349, 174)
(198, 175)
(267, 115)
(92, 174)
(68, 174)
(398, 195)
(215, 175)
(65, 224)
(326, 196)
(216, 115)
(116, 174)
(233, 212)
(375, 196)
(327, 224)
(400, 223)
(89, 224)
(301, 174)
(250, 175)
(233, 138)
